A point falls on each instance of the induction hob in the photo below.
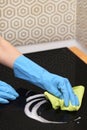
(59, 61)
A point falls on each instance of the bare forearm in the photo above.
(8, 53)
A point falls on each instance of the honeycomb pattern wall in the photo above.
(81, 32)
(24, 22)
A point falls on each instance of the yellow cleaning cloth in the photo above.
(59, 103)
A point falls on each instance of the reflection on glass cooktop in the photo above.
(31, 110)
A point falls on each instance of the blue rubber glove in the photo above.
(7, 93)
(26, 69)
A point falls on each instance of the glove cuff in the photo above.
(26, 69)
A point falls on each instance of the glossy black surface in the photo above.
(62, 62)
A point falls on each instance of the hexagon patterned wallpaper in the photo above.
(25, 22)
(81, 32)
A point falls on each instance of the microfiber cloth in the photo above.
(59, 103)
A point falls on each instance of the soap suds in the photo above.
(39, 100)
(36, 101)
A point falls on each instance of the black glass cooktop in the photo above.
(31, 111)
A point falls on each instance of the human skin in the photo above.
(8, 53)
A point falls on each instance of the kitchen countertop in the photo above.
(79, 53)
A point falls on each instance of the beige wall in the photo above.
(81, 26)
(36, 21)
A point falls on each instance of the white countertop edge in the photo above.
(51, 45)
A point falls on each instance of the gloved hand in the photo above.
(26, 69)
(7, 93)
